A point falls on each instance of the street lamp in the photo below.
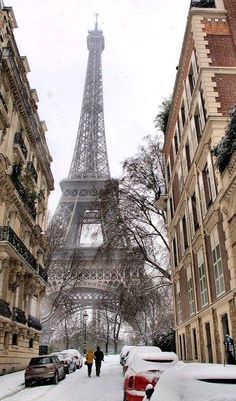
(85, 317)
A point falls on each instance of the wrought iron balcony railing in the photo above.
(32, 171)
(4, 308)
(29, 203)
(203, 3)
(18, 315)
(18, 140)
(8, 234)
(34, 323)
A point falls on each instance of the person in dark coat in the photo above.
(99, 357)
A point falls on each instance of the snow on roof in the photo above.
(188, 382)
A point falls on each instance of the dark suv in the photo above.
(44, 368)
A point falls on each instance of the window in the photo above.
(217, 263)
(178, 302)
(31, 343)
(182, 111)
(185, 233)
(207, 185)
(6, 340)
(194, 211)
(225, 324)
(198, 124)
(187, 150)
(190, 291)
(202, 279)
(195, 353)
(176, 143)
(15, 339)
(184, 347)
(168, 172)
(175, 254)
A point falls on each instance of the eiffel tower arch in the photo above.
(78, 207)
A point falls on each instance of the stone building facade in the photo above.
(26, 181)
(201, 202)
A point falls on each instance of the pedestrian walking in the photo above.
(99, 357)
(89, 361)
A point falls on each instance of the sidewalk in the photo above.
(11, 383)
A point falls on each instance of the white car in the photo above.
(197, 382)
(76, 355)
(138, 349)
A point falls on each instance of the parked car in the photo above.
(135, 350)
(68, 360)
(124, 353)
(144, 369)
(44, 368)
(76, 355)
(197, 382)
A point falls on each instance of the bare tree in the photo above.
(136, 218)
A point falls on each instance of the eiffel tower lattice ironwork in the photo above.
(88, 173)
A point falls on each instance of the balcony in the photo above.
(203, 3)
(16, 179)
(18, 315)
(32, 171)
(34, 323)
(8, 234)
(19, 141)
(4, 308)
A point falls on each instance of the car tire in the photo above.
(75, 367)
(27, 383)
(55, 379)
(64, 375)
(124, 399)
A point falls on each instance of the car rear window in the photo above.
(220, 380)
(159, 360)
(40, 361)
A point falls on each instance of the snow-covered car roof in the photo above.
(141, 349)
(197, 382)
(148, 361)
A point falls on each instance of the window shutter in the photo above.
(191, 217)
(212, 177)
(194, 134)
(194, 64)
(191, 150)
(188, 91)
(201, 112)
(198, 205)
(202, 194)
(184, 164)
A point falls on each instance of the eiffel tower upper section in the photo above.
(90, 154)
(89, 168)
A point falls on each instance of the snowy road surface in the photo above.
(78, 386)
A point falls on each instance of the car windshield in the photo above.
(40, 361)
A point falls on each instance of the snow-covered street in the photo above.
(77, 386)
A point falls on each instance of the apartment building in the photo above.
(201, 201)
(26, 181)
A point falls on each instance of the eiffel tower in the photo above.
(88, 174)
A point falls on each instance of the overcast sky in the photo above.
(143, 40)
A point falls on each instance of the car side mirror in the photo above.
(149, 393)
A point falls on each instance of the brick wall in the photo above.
(230, 6)
(226, 87)
(232, 315)
(222, 51)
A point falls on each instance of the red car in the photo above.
(144, 369)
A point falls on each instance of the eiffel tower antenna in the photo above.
(96, 21)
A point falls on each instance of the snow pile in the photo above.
(11, 383)
(189, 382)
